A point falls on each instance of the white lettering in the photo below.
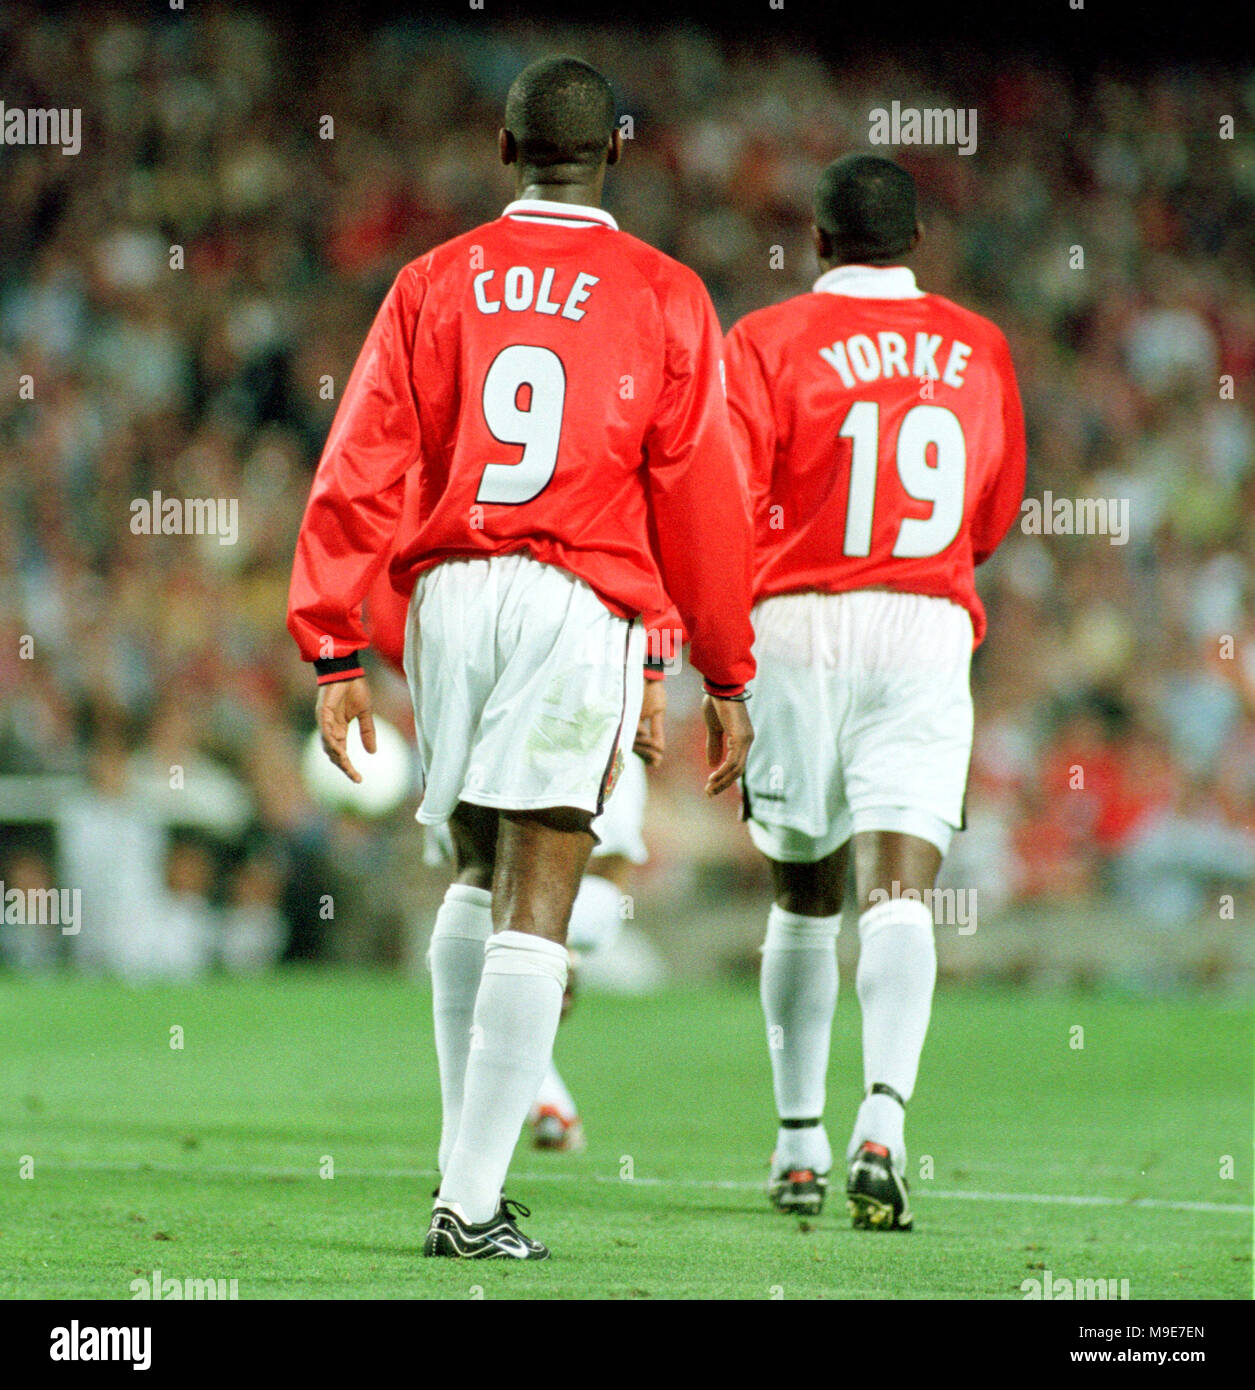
(893, 354)
(486, 306)
(926, 345)
(863, 357)
(836, 359)
(956, 364)
(520, 286)
(579, 293)
(545, 305)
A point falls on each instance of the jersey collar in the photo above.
(567, 214)
(870, 282)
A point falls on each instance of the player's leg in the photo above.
(798, 989)
(897, 970)
(906, 752)
(474, 831)
(596, 921)
(446, 625)
(456, 956)
(554, 1117)
(534, 734)
(797, 818)
(540, 858)
(596, 918)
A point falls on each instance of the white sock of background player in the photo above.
(553, 1095)
(596, 920)
(597, 915)
(516, 1018)
(798, 988)
(456, 958)
(897, 970)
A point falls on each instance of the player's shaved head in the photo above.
(560, 111)
(865, 208)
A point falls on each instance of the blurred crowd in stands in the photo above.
(182, 301)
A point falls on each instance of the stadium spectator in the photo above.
(186, 296)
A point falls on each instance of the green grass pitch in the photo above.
(122, 1154)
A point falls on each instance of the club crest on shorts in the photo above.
(616, 769)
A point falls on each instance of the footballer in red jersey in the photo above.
(536, 414)
(597, 912)
(883, 438)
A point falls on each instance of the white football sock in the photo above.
(516, 1019)
(897, 969)
(456, 958)
(798, 988)
(597, 915)
(801, 1149)
(554, 1095)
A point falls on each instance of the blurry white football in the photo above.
(388, 775)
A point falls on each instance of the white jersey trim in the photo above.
(870, 282)
(567, 214)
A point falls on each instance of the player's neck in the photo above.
(879, 263)
(585, 193)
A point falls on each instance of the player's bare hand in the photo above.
(650, 741)
(729, 734)
(339, 704)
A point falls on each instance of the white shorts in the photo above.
(524, 686)
(862, 718)
(618, 828)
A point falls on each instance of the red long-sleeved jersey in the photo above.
(883, 437)
(550, 384)
(386, 611)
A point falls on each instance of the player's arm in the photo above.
(664, 641)
(1000, 504)
(665, 637)
(351, 517)
(697, 498)
(650, 743)
(339, 704)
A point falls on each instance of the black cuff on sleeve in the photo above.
(725, 692)
(336, 665)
